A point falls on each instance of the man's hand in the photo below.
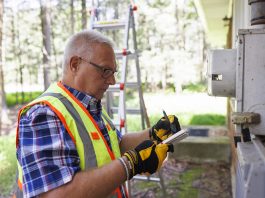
(147, 157)
(162, 130)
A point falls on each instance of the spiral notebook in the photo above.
(180, 135)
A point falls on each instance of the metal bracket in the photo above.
(236, 140)
(245, 118)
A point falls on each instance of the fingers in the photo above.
(165, 137)
(162, 148)
(165, 147)
(171, 118)
(174, 121)
(146, 152)
(164, 128)
(161, 132)
(147, 157)
(161, 151)
(163, 124)
(170, 148)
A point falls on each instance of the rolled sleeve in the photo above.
(46, 151)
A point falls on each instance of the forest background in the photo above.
(170, 38)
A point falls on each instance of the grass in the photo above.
(185, 119)
(195, 87)
(12, 99)
(188, 111)
(187, 179)
(207, 119)
(7, 165)
(182, 181)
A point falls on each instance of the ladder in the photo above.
(125, 54)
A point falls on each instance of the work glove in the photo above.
(147, 157)
(164, 128)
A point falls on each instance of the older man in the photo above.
(66, 146)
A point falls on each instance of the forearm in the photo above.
(131, 140)
(98, 182)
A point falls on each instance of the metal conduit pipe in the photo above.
(257, 15)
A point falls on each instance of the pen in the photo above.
(172, 126)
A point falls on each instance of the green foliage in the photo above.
(207, 119)
(187, 179)
(185, 119)
(12, 99)
(7, 165)
(158, 3)
(159, 85)
(194, 87)
(171, 87)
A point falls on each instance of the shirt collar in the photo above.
(92, 104)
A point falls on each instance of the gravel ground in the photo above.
(188, 180)
(182, 179)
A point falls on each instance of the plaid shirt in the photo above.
(46, 151)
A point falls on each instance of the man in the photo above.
(66, 146)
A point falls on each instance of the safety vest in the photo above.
(91, 146)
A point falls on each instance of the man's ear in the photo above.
(74, 63)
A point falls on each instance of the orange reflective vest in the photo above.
(91, 146)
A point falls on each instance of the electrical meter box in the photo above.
(240, 73)
(221, 72)
(250, 76)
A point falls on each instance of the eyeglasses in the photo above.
(106, 72)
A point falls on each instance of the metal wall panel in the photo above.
(253, 78)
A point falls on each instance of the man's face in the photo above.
(90, 78)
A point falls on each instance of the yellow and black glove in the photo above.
(147, 157)
(164, 128)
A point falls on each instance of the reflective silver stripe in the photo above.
(108, 121)
(89, 152)
(19, 193)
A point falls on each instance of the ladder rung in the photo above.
(129, 111)
(109, 25)
(116, 87)
(132, 84)
(117, 123)
(145, 178)
(123, 52)
(129, 54)
(120, 86)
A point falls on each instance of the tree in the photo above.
(2, 90)
(72, 16)
(84, 15)
(46, 40)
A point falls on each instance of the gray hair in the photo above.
(82, 43)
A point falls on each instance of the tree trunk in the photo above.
(84, 15)
(2, 89)
(18, 52)
(46, 40)
(72, 16)
(56, 66)
(14, 49)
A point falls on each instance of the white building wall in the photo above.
(241, 17)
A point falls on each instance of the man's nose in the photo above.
(111, 80)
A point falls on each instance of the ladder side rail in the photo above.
(123, 78)
(127, 28)
(140, 91)
(122, 102)
(122, 86)
(92, 18)
(94, 13)
(109, 103)
(142, 105)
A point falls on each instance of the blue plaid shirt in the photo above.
(46, 151)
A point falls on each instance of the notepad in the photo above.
(180, 135)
